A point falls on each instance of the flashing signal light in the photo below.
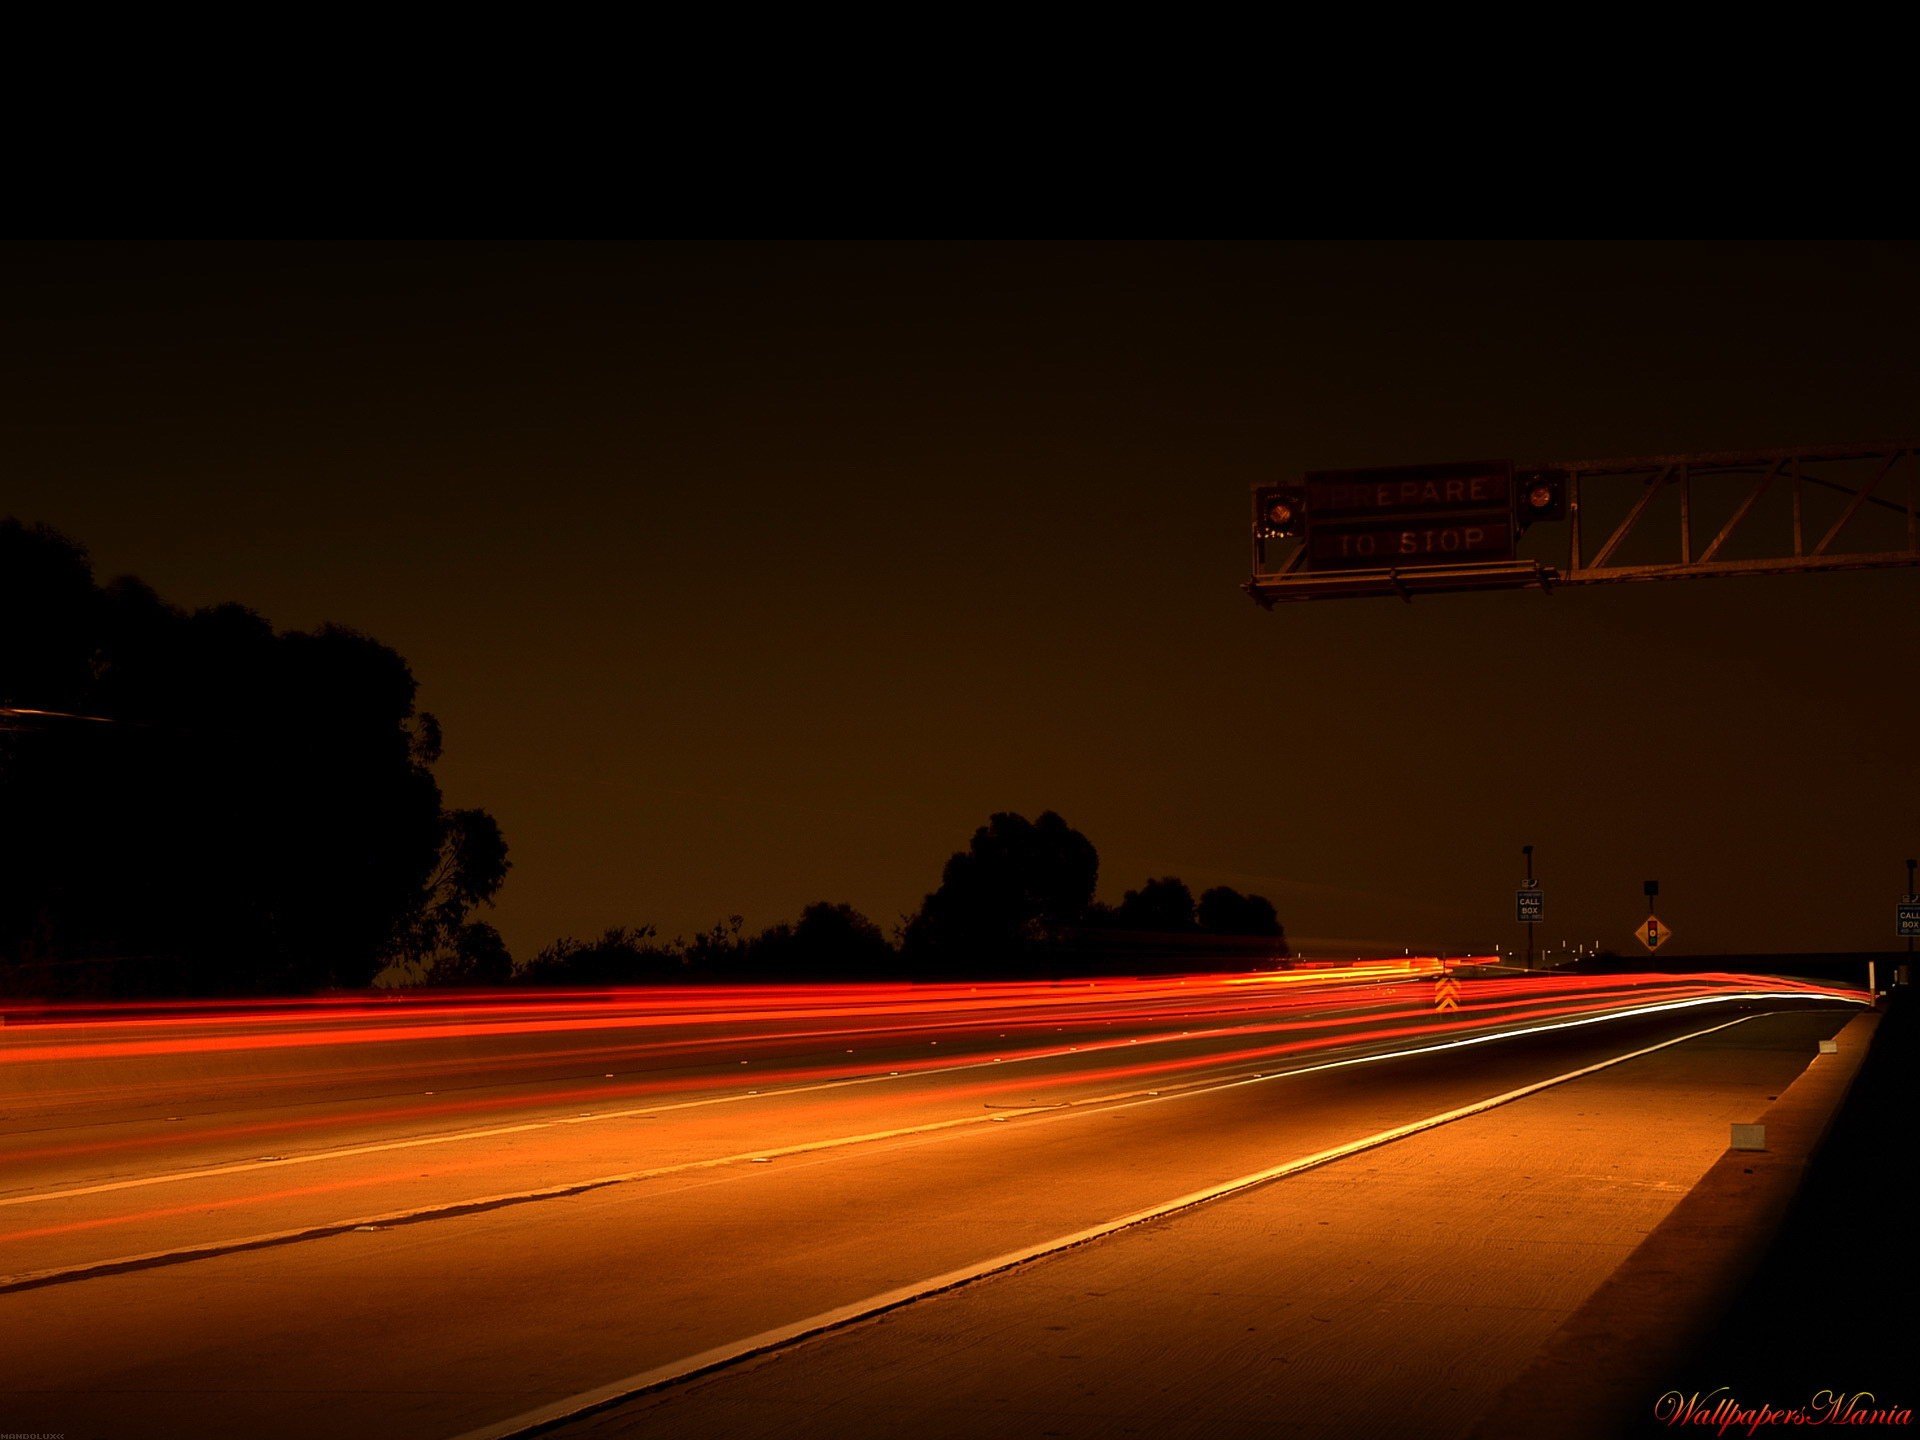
(1541, 497)
(1282, 511)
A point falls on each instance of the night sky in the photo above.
(743, 576)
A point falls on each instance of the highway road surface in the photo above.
(459, 1215)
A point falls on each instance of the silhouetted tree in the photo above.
(471, 867)
(1225, 911)
(250, 810)
(476, 956)
(1003, 899)
(50, 612)
(1162, 906)
(719, 951)
(829, 942)
(621, 956)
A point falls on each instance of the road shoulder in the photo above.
(1603, 1371)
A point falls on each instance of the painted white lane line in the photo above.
(676, 1371)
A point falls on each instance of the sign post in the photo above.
(1653, 932)
(1529, 904)
(1906, 924)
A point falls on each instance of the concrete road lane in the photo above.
(436, 1328)
(113, 1190)
(1393, 1293)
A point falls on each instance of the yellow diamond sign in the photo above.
(1653, 932)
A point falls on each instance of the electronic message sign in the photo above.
(1406, 516)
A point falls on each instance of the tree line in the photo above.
(192, 802)
(1017, 902)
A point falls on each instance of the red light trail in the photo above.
(63, 1055)
(167, 1135)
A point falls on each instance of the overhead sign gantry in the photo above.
(1498, 525)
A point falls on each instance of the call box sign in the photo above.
(1405, 516)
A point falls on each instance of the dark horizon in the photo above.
(742, 577)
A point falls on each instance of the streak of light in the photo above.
(1493, 1008)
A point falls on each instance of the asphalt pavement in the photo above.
(405, 1263)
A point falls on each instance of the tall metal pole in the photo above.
(1912, 895)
